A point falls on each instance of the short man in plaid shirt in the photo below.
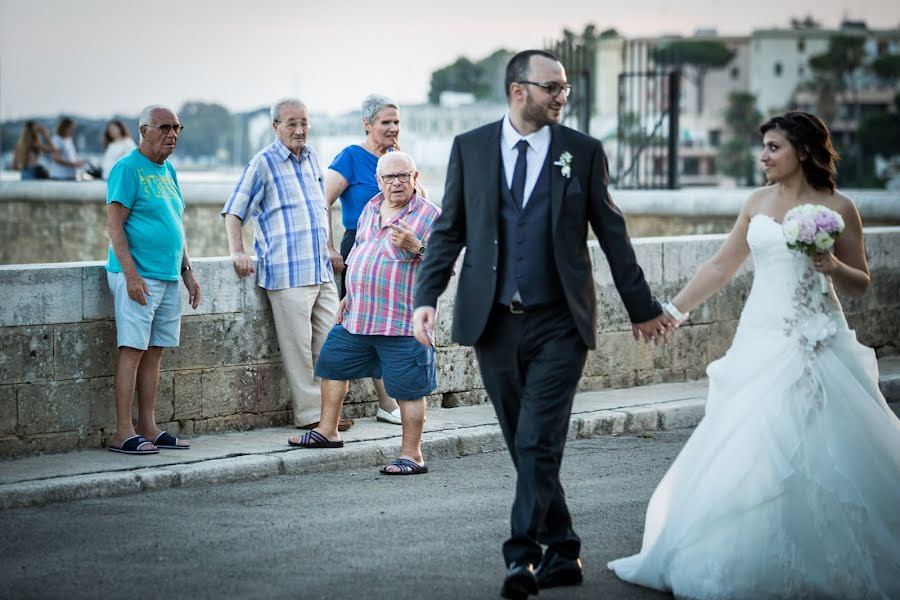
(374, 335)
(282, 192)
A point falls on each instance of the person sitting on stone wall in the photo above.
(373, 336)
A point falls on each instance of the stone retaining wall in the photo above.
(57, 346)
(53, 221)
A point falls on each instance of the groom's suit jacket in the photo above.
(470, 218)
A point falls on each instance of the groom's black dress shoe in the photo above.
(519, 582)
(556, 571)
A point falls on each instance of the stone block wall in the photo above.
(58, 221)
(58, 345)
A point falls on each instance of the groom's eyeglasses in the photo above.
(553, 89)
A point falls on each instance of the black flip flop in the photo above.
(133, 446)
(169, 442)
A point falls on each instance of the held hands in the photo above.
(404, 236)
(423, 325)
(337, 261)
(243, 264)
(655, 330)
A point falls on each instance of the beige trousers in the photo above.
(303, 317)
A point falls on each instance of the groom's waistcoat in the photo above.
(526, 246)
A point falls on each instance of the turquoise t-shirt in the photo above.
(357, 165)
(154, 227)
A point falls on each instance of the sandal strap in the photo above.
(405, 465)
(314, 437)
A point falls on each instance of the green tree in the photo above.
(887, 67)
(879, 133)
(696, 58)
(807, 22)
(836, 71)
(736, 155)
(208, 130)
(483, 78)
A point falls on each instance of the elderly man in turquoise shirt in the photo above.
(147, 257)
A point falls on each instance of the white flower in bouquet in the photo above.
(823, 241)
(791, 231)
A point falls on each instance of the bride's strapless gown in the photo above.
(790, 486)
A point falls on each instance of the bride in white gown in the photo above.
(790, 486)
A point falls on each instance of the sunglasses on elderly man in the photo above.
(167, 127)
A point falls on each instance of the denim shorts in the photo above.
(406, 366)
(158, 323)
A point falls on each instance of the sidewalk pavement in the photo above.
(249, 455)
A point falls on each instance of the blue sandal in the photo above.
(134, 445)
(169, 442)
(405, 466)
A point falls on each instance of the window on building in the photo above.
(715, 138)
(801, 71)
(735, 72)
(778, 69)
(801, 45)
(691, 165)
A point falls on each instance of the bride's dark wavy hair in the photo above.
(809, 136)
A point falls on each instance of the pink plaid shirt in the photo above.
(379, 276)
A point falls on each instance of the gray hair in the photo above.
(395, 154)
(147, 113)
(373, 104)
(275, 111)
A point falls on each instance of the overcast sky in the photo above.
(99, 57)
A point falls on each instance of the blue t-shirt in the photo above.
(357, 165)
(154, 227)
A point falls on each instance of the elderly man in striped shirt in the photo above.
(283, 194)
(374, 336)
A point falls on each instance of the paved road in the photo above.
(348, 534)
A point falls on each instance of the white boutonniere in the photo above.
(565, 164)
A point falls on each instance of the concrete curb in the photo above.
(451, 443)
(684, 407)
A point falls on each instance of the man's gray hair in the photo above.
(147, 113)
(395, 154)
(375, 103)
(275, 111)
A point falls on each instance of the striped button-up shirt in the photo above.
(285, 198)
(380, 275)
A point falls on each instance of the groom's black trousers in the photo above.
(531, 364)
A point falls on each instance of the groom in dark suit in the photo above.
(519, 196)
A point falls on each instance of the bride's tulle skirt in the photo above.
(788, 488)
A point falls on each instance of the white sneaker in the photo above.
(388, 417)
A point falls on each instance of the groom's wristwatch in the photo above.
(421, 250)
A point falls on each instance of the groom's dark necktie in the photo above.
(518, 179)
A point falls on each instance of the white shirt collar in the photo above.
(538, 141)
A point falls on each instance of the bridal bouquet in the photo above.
(811, 229)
